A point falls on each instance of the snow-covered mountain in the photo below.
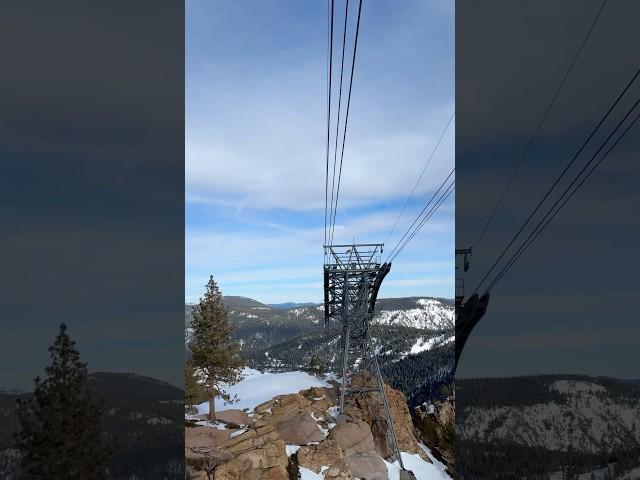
(259, 325)
(428, 313)
(595, 419)
(292, 304)
(413, 337)
(143, 417)
(587, 414)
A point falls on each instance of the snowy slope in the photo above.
(421, 469)
(427, 313)
(586, 414)
(423, 344)
(257, 388)
(260, 325)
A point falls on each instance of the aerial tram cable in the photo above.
(538, 128)
(330, 67)
(418, 217)
(449, 190)
(555, 183)
(564, 198)
(335, 149)
(346, 118)
(435, 148)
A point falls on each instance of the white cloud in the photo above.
(258, 139)
(255, 146)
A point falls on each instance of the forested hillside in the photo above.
(412, 336)
(144, 420)
(539, 425)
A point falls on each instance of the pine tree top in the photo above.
(61, 434)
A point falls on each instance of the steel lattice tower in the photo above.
(352, 277)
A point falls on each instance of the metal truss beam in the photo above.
(353, 275)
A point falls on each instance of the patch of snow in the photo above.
(421, 469)
(603, 473)
(423, 344)
(159, 421)
(257, 388)
(332, 376)
(207, 423)
(291, 449)
(333, 411)
(576, 387)
(438, 464)
(306, 474)
(238, 433)
(631, 474)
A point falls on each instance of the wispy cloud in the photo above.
(255, 144)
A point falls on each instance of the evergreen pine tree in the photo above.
(192, 389)
(61, 434)
(212, 349)
(317, 365)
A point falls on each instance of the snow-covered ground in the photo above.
(306, 474)
(421, 469)
(632, 474)
(257, 388)
(424, 344)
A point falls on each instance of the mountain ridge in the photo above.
(143, 417)
(589, 424)
(409, 333)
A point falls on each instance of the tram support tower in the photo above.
(352, 278)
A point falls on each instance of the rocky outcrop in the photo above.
(355, 440)
(436, 424)
(328, 456)
(352, 447)
(369, 407)
(252, 454)
(290, 416)
(205, 437)
(258, 454)
(353, 436)
(203, 451)
(233, 416)
(368, 466)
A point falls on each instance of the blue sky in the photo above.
(255, 144)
